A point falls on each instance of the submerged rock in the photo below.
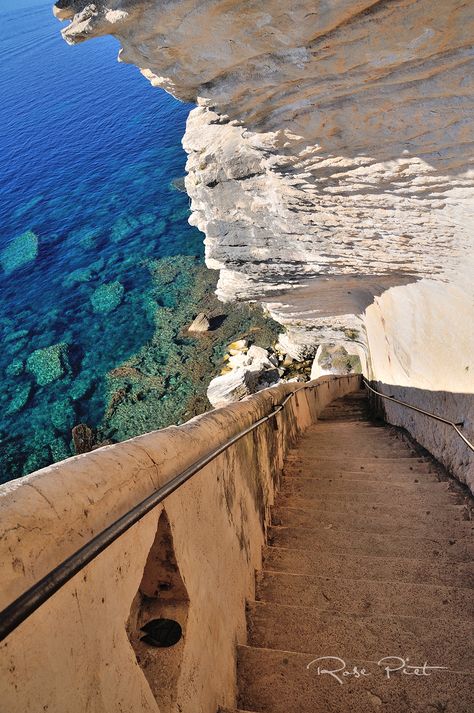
(40, 458)
(15, 368)
(200, 324)
(82, 274)
(19, 252)
(178, 184)
(20, 399)
(81, 385)
(49, 364)
(107, 297)
(59, 449)
(123, 227)
(63, 415)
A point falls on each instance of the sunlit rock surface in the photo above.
(331, 139)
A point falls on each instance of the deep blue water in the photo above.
(88, 150)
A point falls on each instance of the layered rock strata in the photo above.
(330, 140)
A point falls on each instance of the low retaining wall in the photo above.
(438, 438)
(192, 558)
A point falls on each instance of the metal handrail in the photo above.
(20, 609)
(425, 413)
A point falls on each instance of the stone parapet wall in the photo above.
(79, 651)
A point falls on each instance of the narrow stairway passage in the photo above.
(368, 569)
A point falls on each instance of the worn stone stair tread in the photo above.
(356, 481)
(299, 629)
(411, 501)
(369, 554)
(364, 596)
(323, 433)
(373, 478)
(400, 569)
(358, 489)
(281, 682)
(341, 454)
(362, 465)
(369, 502)
(313, 440)
(401, 513)
(344, 541)
(405, 511)
(366, 450)
(344, 427)
(379, 522)
(331, 452)
(355, 436)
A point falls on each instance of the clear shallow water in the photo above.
(88, 151)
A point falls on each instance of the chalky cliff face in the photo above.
(331, 138)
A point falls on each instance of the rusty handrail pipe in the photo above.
(425, 413)
(28, 602)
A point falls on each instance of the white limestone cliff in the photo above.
(328, 160)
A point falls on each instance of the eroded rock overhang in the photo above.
(330, 140)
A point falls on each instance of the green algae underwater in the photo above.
(166, 381)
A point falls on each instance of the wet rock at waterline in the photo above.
(83, 438)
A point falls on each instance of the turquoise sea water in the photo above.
(88, 152)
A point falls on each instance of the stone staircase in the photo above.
(369, 556)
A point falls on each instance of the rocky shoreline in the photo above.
(166, 382)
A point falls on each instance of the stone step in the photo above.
(301, 629)
(395, 477)
(281, 682)
(429, 494)
(346, 431)
(369, 543)
(359, 597)
(388, 569)
(357, 456)
(376, 445)
(354, 462)
(353, 416)
(355, 446)
(363, 465)
(369, 556)
(414, 485)
(405, 510)
(344, 409)
(433, 525)
(343, 428)
(321, 434)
